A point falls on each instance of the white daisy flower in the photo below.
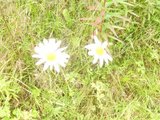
(98, 51)
(50, 53)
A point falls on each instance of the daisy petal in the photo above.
(37, 49)
(51, 67)
(45, 41)
(62, 64)
(66, 55)
(40, 62)
(101, 62)
(36, 56)
(61, 49)
(58, 44)
(56, 67)
(106, 60)
(91, 53)
(40, 45)
(89, 47)
(52, 41)
(95, 60)
(109, 57)
(46, 65)
(105, 44)
(96, 40)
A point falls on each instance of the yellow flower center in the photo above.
(100, 51)
(51, 57)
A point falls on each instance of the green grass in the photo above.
(126, 89)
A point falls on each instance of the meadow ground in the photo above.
(126, 89)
